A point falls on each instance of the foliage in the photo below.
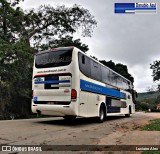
(156, 72)
(122, 69)
(155, 110)
(145, 106)
(119, 68)
(94, 57)
(147, 96)
(151, 152)
(147, 101)
(16, 73)
(138, 105)
(109, 64)
(155, 125)
(64, 42)
(45, 23)
(158, 87)
(48, 21)
(18, 29)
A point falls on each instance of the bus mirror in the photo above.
(83, 59)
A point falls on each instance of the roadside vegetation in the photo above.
(148, 95)
(22, 34)
(153, 126)
(148, 101)
(151, 152)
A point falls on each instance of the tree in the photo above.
(17, 29)
(158, 87)
(16, 74)
(45, 23)
(15, 79)
(94, 57)
(123, 70)
(109, 64)
(145, 106)
(156, 70)
(65, 41)
(137, 105)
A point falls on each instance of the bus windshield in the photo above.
(53, 58)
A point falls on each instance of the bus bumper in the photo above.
(55, 110)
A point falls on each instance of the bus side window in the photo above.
(84, 64)
(129, 97)
(96, 72)
(83, 59)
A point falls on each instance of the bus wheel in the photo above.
(102, 114)
(69, 117)
(129, 112)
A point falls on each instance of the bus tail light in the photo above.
(74, 95)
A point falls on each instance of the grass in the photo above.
(154, 126)
(151, 152)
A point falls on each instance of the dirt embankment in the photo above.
(131, 134)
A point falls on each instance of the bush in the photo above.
(155, 110)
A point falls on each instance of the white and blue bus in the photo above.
(70, 84)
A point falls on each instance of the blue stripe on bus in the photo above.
(95, 88)
(52, 81)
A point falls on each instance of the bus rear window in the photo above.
(53, 58)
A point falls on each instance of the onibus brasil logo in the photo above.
(136, 8)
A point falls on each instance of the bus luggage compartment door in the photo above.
(52, 88)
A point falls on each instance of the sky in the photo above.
(129, 39)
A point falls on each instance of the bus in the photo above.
(69, 83)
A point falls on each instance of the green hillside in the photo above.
(147, 96)
(148, 100)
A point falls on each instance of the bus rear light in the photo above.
(74, 94)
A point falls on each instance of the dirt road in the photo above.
(56, 131)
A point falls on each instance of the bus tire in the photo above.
(69, 118)
(129, 112)
(102, 113)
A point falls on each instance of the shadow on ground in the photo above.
(77, 122)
